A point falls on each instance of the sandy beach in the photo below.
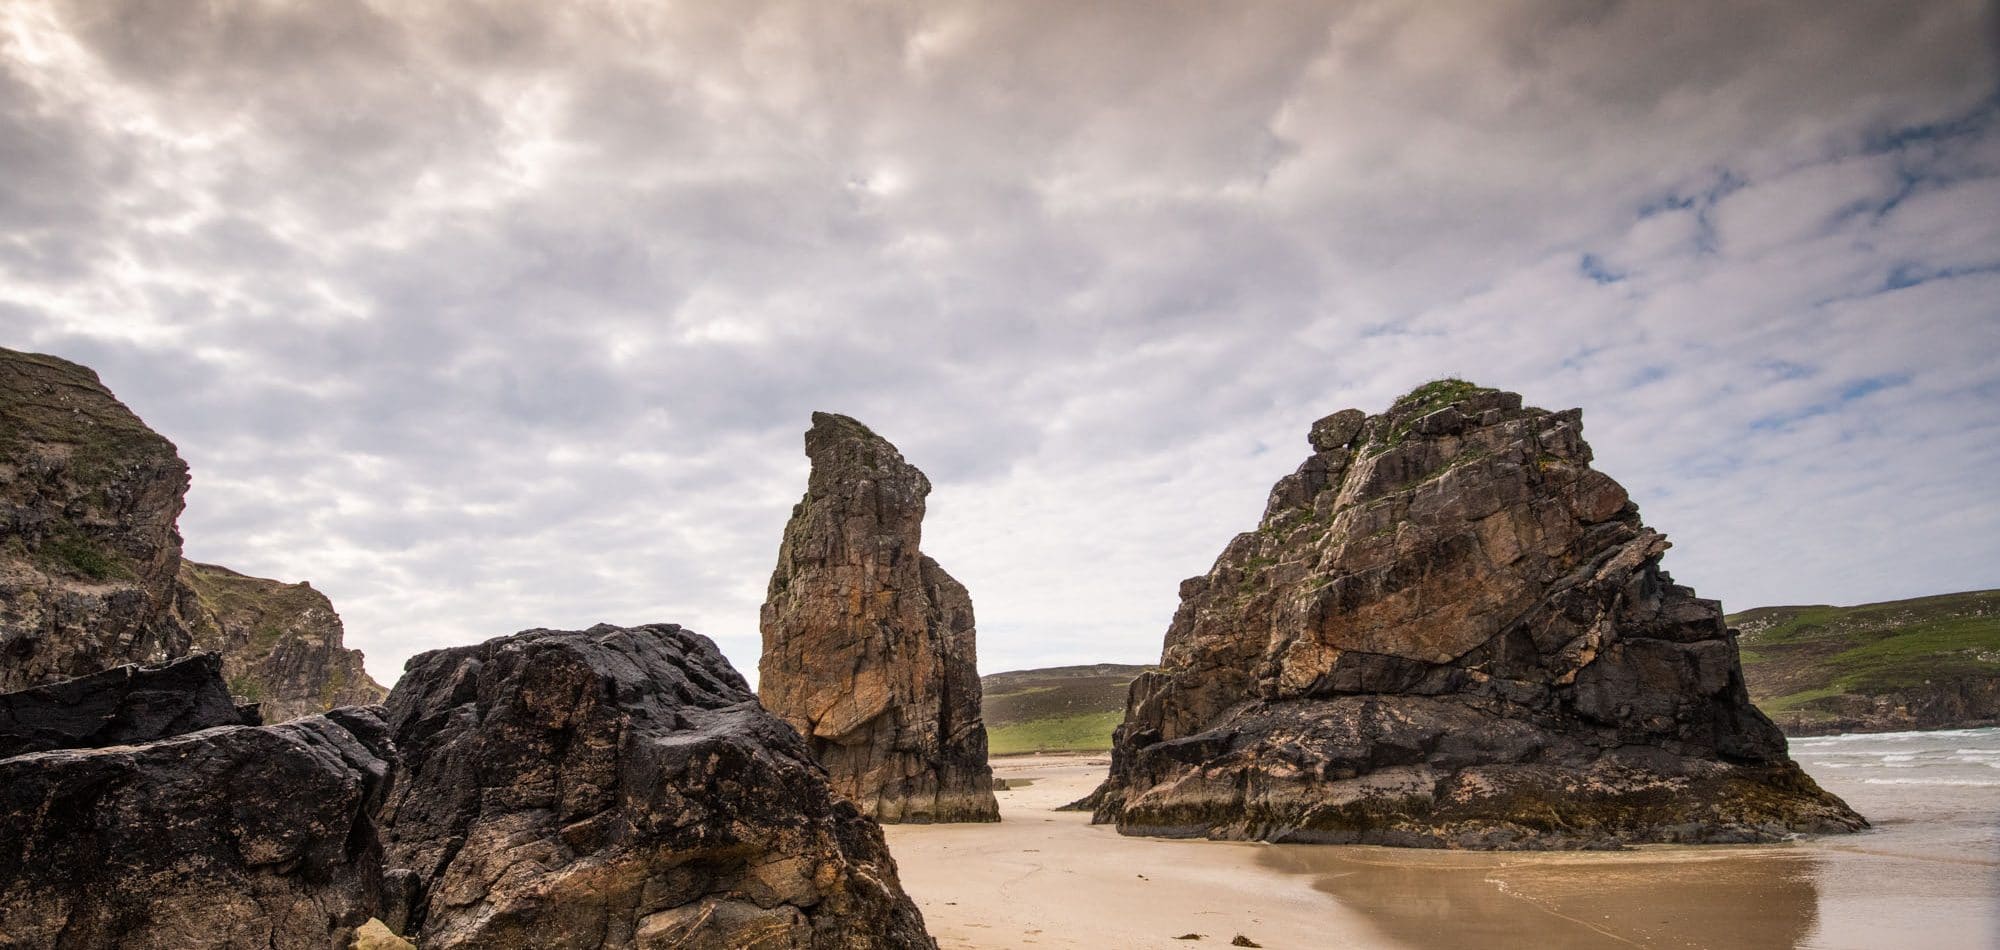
(1928, 876)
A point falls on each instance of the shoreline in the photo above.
(1044, 878)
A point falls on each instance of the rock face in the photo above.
(239, 837)
(622, 788)
(91, 575)
(1448, 630)
(122, 706)
(868, 644)
(88, 550)
(280, 643)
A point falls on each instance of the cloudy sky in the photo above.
(489, 315)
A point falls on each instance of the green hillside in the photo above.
(1061, 709)
(1931, 662)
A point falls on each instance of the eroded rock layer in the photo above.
(868, 644)
(122, 706)
(1449, 630)
(618, 787)
(232, 837)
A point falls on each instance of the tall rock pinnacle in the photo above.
(868, 644)
(1449, 630)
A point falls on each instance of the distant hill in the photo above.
(1061, 709)
(1927, 663)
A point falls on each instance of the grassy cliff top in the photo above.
(51, 408)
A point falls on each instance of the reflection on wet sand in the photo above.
(1667, 897)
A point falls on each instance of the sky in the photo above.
(484, 316)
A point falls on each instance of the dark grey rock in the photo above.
(618, 787)
(237, 837)
(121, 706)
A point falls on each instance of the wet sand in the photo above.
(1043, 878)
(1928, 877)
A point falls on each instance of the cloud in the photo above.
(485, 316)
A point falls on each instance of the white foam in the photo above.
(1966, 783)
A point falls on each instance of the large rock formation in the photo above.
(1448, 630)
(280, 643)
(91, 575)
(122, 706)
(868, 644)
(88, 550)
(622, 788)
(238, 837)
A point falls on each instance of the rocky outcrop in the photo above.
(620, 787)
(237, 837)
(122, 706)
(88, 550)
(281, 644)
(91, 575)
(868, 644)
(1449, 630)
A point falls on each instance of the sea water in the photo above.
(1934, 791)
(1924, 876)
(1928, 873)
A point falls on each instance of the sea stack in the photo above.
(1448, 630)
(868, 644)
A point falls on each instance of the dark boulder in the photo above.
(618, 787)
(237, 837)
(121, 706)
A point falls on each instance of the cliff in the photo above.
(91, 573)
(281, 644)
(88, 549)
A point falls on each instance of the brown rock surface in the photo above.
(1449, 629)
(618, 787)
(88, 550)
(281, 644)
(868, 644)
